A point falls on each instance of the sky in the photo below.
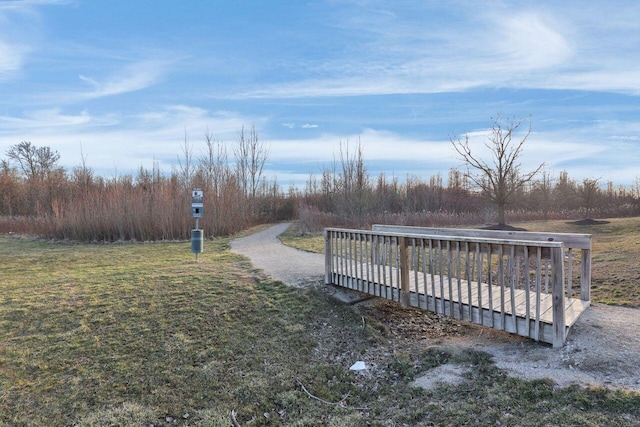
(125, 83)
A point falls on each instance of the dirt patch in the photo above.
(602, 349)
(503, 227)
(447, 374)
(411, 324)
(588, 222)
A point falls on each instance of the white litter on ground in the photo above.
(358, 366)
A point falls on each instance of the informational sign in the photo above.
(197, 203)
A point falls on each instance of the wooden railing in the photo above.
(518, 283)
(577, 249)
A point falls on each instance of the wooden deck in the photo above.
(518, 286)
(462, 300)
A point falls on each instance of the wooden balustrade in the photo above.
(520, 283)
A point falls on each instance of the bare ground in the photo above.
(602, 349)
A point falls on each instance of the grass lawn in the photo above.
(139, 334)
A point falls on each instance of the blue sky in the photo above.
(124, 81)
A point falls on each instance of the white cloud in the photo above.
(131, 78)
(309, 126)
(21, 33)
(376, 144)
(123, 143)
(52, 118)
(503, 46)
(528, 41)
(11, 59)
(25, 5)
(17, 30)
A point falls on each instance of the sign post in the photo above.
(197, 206)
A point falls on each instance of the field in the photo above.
(140, 334)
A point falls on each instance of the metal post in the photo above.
(197, 235)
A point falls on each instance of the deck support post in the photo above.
(404, 272)
(328, 258)
(557, 289)
(585, 276)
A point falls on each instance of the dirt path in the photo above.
(603, 347)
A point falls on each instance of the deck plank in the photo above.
(445, 298)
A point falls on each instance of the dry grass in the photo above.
(139, 334)
(615, 276)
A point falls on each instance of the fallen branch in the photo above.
(233, 419)
(340, 403)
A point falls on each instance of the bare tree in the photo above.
(82, 173)
(635, 195)
(541, 192)
(35, 162)
(213, 164)
(251, 156)
(355, 186)
(9, 187)
(502, 177)
(588, 192)
(186, 165)
(565, 193)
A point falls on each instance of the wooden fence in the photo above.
(520, 282)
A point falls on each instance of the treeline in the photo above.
(39, 197)
(344, 194)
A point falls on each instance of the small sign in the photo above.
(197, 203)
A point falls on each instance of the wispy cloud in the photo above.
(45, 119)
(496, 47)
(128, 142)
(11, 59)
(22, 5)
(22, 34)
(376, 146)
(304, 126)
(16, 33)
(133, 77)
(528, 41)
(52, 119)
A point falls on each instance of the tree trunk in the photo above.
(501, 220)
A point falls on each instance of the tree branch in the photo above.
(341, 403)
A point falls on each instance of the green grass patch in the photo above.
(139, 334)
(309, 242)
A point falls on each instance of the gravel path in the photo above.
(266, 251)
(603, 348)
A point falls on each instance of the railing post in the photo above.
(328, 258)
(585, 276)
(557, 290)
(404, 272)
